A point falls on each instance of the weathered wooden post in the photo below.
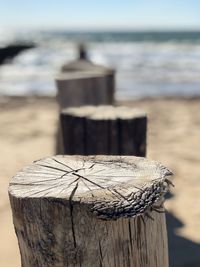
(91, 211)
(84, 88)
(106, 130)
(82, 82)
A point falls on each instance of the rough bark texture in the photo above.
(90, 211)
(106, 130)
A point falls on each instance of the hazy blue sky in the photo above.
(104, 14)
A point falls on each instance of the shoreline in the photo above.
(31, 98)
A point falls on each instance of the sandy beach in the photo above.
(27, 133)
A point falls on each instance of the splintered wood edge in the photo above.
(110, 186)
(105, 112)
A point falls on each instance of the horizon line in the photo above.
(103, 29)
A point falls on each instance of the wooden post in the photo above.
(85, 88)
(72, 211)
(106, 130)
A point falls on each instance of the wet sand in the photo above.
(27, 132)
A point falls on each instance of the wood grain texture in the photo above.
(90, 211)
(104, 130)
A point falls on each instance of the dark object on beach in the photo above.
(91, 211)
(82, 52)
(10, 51)
(84, 64)
(104, 130)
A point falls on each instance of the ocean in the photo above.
(148, 64)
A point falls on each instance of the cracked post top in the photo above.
(110, 186)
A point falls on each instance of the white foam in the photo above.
(143, 68)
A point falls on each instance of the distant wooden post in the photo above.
(82, 82)
(91, 211)
(84, 88)
(106, 130)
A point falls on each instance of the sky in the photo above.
(100, 14)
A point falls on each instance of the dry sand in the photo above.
(27, 132)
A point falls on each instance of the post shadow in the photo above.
(183, 252)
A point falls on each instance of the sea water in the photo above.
(148, 64)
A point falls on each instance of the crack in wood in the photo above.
(133, 204)
(51, 167)
(80, 176)
(61, 163)
(71, 213)
(75, 197)
(87, 187)
(101, 254)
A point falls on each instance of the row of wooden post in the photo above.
(92, 211)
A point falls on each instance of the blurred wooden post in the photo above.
(90, 211)
(82, 82)
(106, 130)
(84, 88)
